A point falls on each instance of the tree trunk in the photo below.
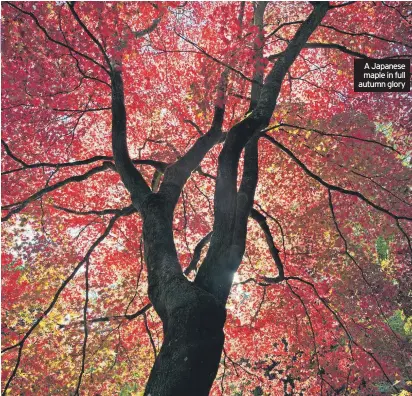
(192, 346)
(192, 318)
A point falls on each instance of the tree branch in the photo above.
(36, 21)
(245, 197)
(274, 251)
(202, 51)
(81, 110)
(331, 186)
(158, 165)
(259, 66)
(10, 153)
(131, 177)
(103, 319)
(150, 335)
(193, 124)
(148, 30)
(334, 135)
(196, 254)
(345, 329)
(312, 332)
(94, 39)
(364, 34)
(17, 207)
(273, 32)
(354, 261)
(96, 212)
(273, 81)
(177, 174)
(346, 50)
(86, 330)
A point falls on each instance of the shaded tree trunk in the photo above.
(192, 318)
(193, 341)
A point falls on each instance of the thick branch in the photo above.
(130, 176)
(196, 254)
(258, 45)
(339, 47)
(177, 174)
(14, 157)
(245, 197)
(194, 125)
(95, 212)
(273, 81)
(273, 32)
(149, 29)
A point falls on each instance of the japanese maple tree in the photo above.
(249, 234)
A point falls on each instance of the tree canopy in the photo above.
(250, 167)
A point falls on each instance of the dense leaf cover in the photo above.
(332, 207)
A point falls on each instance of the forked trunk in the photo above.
(193, 341)
(193, 318)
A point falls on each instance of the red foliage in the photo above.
(339, 324)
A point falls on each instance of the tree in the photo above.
(296, 283)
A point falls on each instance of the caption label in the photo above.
(382, 75)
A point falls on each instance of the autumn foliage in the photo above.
(332, 207)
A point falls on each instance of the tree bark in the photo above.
(192, 318)
(193, 341)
